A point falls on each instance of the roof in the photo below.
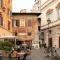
(26, 13)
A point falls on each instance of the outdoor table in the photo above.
(20, 55)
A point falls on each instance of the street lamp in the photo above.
(48, 21)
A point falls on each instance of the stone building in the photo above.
(5, 18)
(25, 27)
(36, 7)
(50, 22)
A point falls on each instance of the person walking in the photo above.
(14, 54)
(55, 51)
(48, 51)
(45, 48)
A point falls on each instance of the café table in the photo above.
(20, 54)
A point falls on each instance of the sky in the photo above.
(17, 5)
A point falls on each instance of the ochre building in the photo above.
(25, 27)
(5, 18)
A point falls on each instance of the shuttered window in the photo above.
(29, 23)
(8, 25)
(1, 1)
(22, 22)
(1, 20)
(15, 23)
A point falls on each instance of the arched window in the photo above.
(58, 10)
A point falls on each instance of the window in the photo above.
(8, 1)
(38, 28)
(59, 13)
(8, 25)
(15, 23)
(1, 20)
(49, 16)
(22, 22)
(58, 10)
(29, 23)
(9, 13)
(1, 3)
(42, 33)
(29, 33)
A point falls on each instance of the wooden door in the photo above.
(50, 42)
(59, 42)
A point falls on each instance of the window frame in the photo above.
(1, 20)
(8, 25)
(58, 13)
(49, 15)
(29, 23)
(29, 33)
(22, 23)
(1, 3)
(15, 23)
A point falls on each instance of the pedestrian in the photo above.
(48, 50)
(45, 48)
(45, 45)
(55, 51)
(51, 51)
(28, 52)
(14, 54)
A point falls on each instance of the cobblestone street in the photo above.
(38, 54)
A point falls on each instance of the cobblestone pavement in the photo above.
(38, 54)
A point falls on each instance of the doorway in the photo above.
(59, 42)
(50, 42)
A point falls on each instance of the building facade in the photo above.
(5, 18)
(25, 27)
(36, 7)
(50, 23)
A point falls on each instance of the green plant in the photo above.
(6, 45)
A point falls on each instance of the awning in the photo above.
(11, 37)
